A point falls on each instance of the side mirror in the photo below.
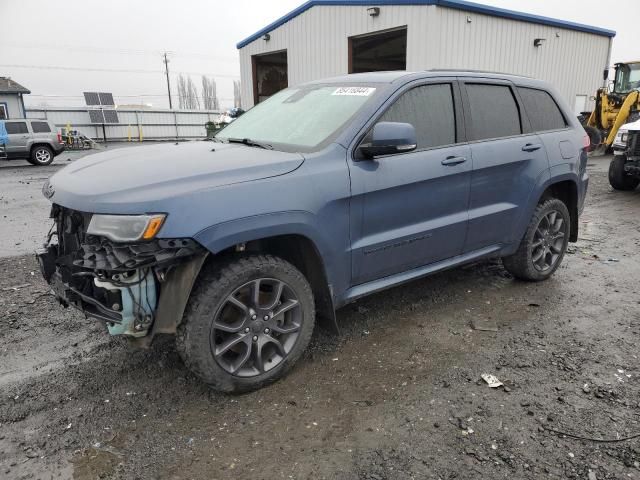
(388, 138)
(605, 75)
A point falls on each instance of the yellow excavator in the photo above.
(616, 105)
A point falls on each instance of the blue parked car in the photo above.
(322, 194)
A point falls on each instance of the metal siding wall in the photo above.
(438, 37)
(317, 45)
(155, 124)
(572, 61)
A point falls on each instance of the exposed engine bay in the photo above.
(117, 283)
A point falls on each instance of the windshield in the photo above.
(627, 78)
(299, 119)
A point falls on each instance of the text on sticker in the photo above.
(357, 91)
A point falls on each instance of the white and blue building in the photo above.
(324, 38)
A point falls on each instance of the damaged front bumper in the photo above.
(137, 289)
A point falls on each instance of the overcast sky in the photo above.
(116, 45)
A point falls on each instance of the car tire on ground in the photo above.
(544, 244)
(618, 178)
(41, 155)
(248, 320)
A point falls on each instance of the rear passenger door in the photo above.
(548, 122)
(506, 161)
(18, 136)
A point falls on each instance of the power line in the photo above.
(119, 51)
(111, 70)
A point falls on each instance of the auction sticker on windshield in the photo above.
(354, 91)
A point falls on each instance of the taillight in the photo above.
(586, 141)
(59, 137)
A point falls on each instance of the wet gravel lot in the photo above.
(398, 395)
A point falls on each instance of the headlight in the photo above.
(621, 137)
(126, 228)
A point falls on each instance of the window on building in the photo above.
(430, 110)
(542, 110)
(16, 127)
(494, 111)
(3, 111)
(40, 127)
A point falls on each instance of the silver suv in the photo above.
(37, 141)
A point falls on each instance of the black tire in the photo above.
(618, 178)
(41, 155)
(522, 264)
(198, 336)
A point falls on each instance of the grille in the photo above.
(634, 144)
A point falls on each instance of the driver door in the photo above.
(411, 209)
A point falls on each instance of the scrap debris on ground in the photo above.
(401, 394)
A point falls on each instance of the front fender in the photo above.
(295, 222)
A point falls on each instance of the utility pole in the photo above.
(166, 65)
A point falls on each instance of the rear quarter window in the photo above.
(40, 127)
(494, 111)
(542, 110)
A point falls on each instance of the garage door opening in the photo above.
(269, 74)
(379, 51)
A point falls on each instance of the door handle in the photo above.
(531, 147)
(453, 160)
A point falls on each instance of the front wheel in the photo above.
(543, 245)
(618, 178)
(248, 320)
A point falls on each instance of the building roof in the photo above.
(11, 86)
(457, 4)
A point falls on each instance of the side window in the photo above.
(430, 110)
(494, 111)
(542, 110)
(16, 127)
(40, 127)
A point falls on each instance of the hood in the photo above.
(633, 126)
(132, 180)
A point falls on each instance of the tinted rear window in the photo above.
(430, 110)
(542, 110)
(40, 127)
(16, 127)
(494, 111)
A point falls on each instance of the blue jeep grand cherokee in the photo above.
(323, 193)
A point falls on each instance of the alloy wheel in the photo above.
(548, 241)
(256, 327)
(43, 155)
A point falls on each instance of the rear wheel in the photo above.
(543, 245)
(247, 322)
(618, 178)
(41, 155)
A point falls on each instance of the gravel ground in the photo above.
(398, 395)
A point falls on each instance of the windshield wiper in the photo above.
(250, 143)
